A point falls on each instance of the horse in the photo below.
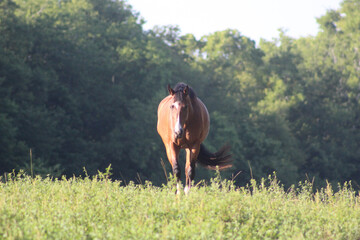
(183, 123)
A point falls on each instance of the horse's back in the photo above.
(203, 122)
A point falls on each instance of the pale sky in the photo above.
(253, 18)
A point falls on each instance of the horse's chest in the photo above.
(189, 138)
(190, 135)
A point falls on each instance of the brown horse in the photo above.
(183, 122)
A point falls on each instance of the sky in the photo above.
(255, 19)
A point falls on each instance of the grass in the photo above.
(99, 208)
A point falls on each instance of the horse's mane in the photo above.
(179, 88)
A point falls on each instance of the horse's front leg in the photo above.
(191, 156)
(172, 152)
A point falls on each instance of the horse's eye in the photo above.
(172, 106)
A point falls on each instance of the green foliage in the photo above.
(80, 82)
(96, 207)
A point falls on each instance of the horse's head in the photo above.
(179, 109)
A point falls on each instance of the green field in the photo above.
(99, 208)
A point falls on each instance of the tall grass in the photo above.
(99, 208)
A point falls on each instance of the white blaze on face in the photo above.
(177, 124)
(176, 105)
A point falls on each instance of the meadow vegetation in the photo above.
(80, 82)
(99, 208)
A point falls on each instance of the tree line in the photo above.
(80, 82)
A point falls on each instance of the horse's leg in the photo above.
(173, 155)
(191, 156)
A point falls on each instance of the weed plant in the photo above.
(99, 208)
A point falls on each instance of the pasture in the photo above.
(99, 208)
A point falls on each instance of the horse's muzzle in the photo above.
(179, 133)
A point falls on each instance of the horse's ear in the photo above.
(171, 91)
(186, 90)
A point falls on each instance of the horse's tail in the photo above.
(221, 159)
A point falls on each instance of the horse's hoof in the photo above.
(186, 190)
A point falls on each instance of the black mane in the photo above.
(179, 88)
